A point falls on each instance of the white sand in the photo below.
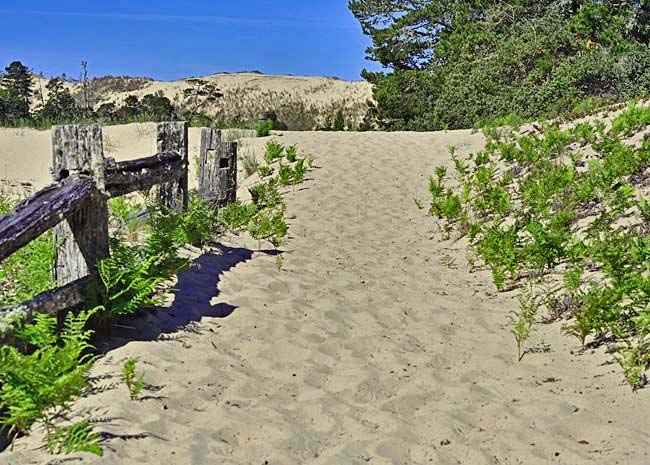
(365, 348)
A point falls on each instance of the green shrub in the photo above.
(268, 225)
(291, 153)
(273, 151)
(266, 194)
(265, 171)
(500, 63)
(264, 128)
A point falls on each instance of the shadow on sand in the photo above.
(197, 287)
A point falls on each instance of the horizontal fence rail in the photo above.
(76, 204)
(137, 175)
(41, 212)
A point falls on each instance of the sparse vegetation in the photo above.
(134, 383)
(534, 205)
(263, 218)
(121, 100)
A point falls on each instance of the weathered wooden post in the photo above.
(172, 137)
(82, 239)
(217, 168)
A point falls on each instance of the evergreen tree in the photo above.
(158, 106)
(60, 105)
(17, 85)
(456, 63)
(108, 110)
(131, 107)
(4, 110)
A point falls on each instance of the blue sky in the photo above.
(169, 40)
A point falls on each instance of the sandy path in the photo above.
(365, 348)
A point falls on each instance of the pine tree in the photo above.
(17, 84)
(60, 105)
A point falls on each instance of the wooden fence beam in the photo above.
(41, 212)
(172, 137)
(50, 302)
(142, 174)
(82, 239)
(217, 168)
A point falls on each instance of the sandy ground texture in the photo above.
(373, 345)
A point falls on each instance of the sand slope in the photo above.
(365, 348)
(301, 102)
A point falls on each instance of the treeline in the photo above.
(57, 104)
(462, 63)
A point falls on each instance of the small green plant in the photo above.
(634, 360)
(78, 437)
(266, 194)
(198, 223)
(523, 321)
(264, 128)
(265, 171)
(131, 278)
(134, 383)
(289, 175)
(273, 151)
(268, 225)
(279, 261)
(291, 153)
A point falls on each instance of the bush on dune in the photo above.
(474, 62)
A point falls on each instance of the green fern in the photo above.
(134, 383)
(78, 437)
(39, 386)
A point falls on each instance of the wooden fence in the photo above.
(76, 204)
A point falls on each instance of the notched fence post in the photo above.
(172, 137)
(82, 239)
(217, 168)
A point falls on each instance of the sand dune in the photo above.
(374, 344)
(302, 102)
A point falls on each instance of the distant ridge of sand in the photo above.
(303, 102)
